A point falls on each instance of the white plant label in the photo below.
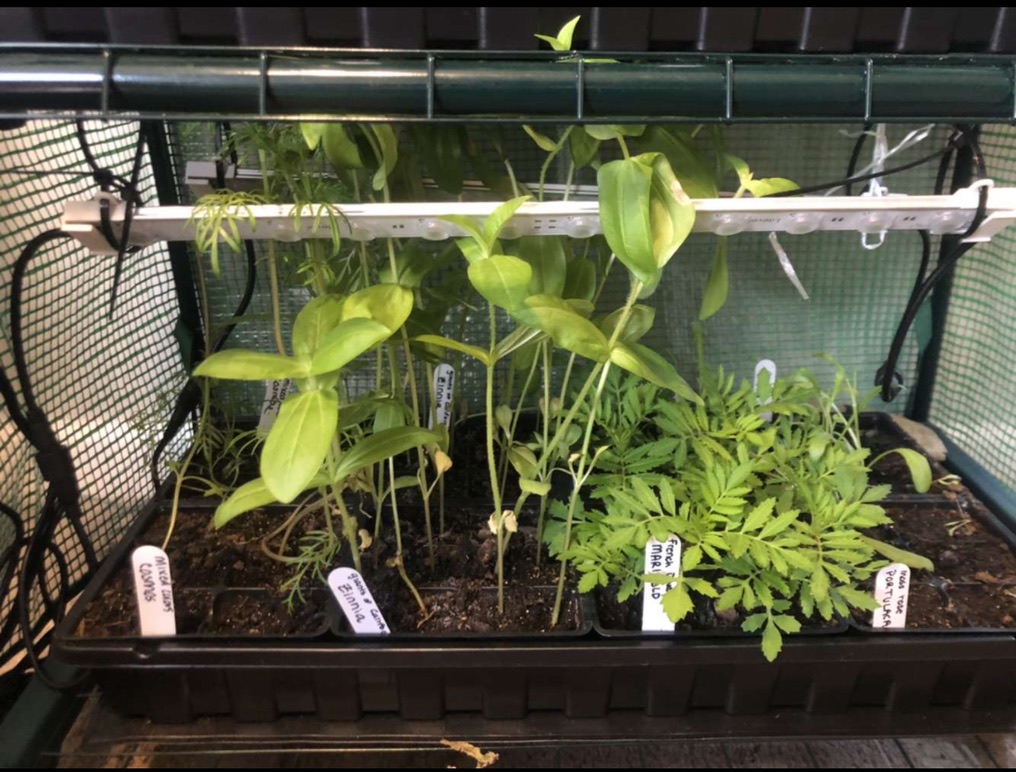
(275, 394)
(153, 587)
(444, 394)
(661, 558)
(770, 367)
(892, 588)
(357, 603)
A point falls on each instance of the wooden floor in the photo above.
(101, 739)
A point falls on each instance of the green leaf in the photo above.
(501, 279)
(542, 141)
(388, 416)
(342, 152)
(772, 642)
(580, 279)
(769, 185)
(298, 442)
(315, 320)
(388, 304)
(715, 296)
(249, 496)
(677, 603)
(583, 148)
(672, 213)
(691, 167)
(607, 132)
(640, 321)
(468, 224)
(381, 446)
(346, 342)
(238, 364)
(312, 133)
(412, 264)
(920, 470)
(896, 555)
(534, 487)
(563, 41)
(646, 363)
(436, 340)
(545, 255)
(389, 144)
(624, 193)
(497, 219)
(566, 326)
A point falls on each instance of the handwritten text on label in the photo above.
(356, 602)
(892, 588)
(153, 587)
(661, 558)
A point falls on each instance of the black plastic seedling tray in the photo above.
(586, 673)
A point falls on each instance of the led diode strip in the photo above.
(578, 219)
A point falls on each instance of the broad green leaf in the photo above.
(250, 496)
(413, 264)
(497, 219)
(563, 40)
(501, 279)
(646, 363)
(542, 141)
(524, 461)
(691, 167)
(468, 224)
(624, 193)
(769, 185)
(389, 416)
(606, 132)
(381, 446)
(566, 326)
(715, 296)
(315, 320)
(583, 148)
(454, 345)
(640, 321)
(312, 133)
(677, 603)
(342, 152)
(298, 442)
(388, 304)
(898, 555)
(545, 255)
(920, 470)
(346, 342)
(237, 364)
(518, 338)
(389, 144)
(672, 213)
(534, 487)
(580, 279)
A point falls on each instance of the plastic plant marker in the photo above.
(892, 590)
(153, 587)
(766, 381)
(444, 393)
(275, 394)
(661, 558)
(356, 602)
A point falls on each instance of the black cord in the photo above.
(950, 145)
(132, 201)
(855, 155)
(9, 560)
(887, 376)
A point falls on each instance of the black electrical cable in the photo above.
(131, 201)
(9, 560)
(950, 145)
(886, 375)
(855, 156)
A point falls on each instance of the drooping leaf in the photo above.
(497, 219)
(920, 470)
(624, 193)
(607, 132)
(769, 185)
(346, 342)
(312, 133)
(389, 145)
(691, 167)
(672, 213)
(501, 279)
(718, 284)
(566, 327)
(388, 304)
(454, 345)
(772, 642)
(646, 363)
(381, 446)
(897, 555)
(583, 148)
(580, 279)
(342, 152)
(315, 320)
(298, 442)
(250, 496)
(546, 256)
(639, 322)
(237, 364)
(542, 141)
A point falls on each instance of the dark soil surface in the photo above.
(974, 582)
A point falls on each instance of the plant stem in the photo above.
(348, 520)
(636, 288)
(399, 564)
(546, 441)
(492, 463)
(273, 275)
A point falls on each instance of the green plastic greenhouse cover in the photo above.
(241, 83)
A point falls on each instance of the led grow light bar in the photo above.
(578, 219)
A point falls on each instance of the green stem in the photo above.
(584, 454)
(492, 463)
(348, 521)
(546, 441)
(273, 274)
(399, 564)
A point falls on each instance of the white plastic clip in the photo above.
(787, 266)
